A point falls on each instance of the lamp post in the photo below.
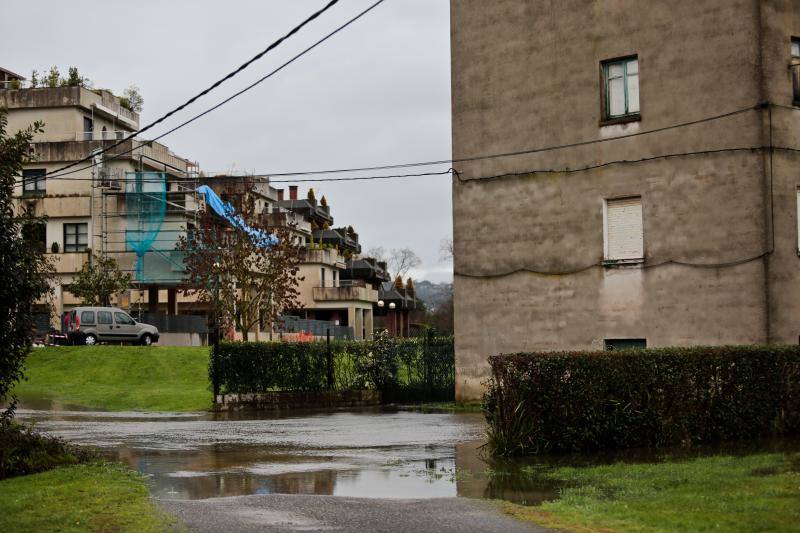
(392, 307)
(215, 348)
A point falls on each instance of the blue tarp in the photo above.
(260, 238)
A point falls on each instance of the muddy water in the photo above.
(371, 453)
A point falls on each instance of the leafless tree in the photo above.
(446, 249)
(399, 261)
(227, 268)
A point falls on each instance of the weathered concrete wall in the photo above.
(527, 75)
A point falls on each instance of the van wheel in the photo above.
(90, 340)
(147, 340)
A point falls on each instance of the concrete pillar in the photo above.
(351, 320)
(152, 299)
(172, 302)
(359, 325)
(368, 323)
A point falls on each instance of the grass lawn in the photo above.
(89, 497)
(750, 493)
(119, 378)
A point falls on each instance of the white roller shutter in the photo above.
(624, 229)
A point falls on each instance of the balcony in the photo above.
(353, 290)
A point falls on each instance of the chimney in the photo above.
(280, 195)
(292, 192)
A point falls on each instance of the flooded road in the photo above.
(375, 453)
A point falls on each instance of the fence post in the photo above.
(329, 358)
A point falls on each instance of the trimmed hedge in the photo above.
(574, 401)
(412, 369)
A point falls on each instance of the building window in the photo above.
(621, 89)
(76, 237)
(35, 234)
(34, 181)
(322, 276)
(623, 230)
(88, 128)
(626, 344)
(795, 68)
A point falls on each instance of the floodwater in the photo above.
(372, 453)
(369, 453)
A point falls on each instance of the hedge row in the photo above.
(404, 369)
(641, 398)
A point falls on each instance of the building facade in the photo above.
(95, 208)
(644, 189)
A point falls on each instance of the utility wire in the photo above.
(457, 160)
(225, 101)
(213, 86)
(457, 174)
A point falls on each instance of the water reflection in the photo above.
(380, 453)
(372, 453)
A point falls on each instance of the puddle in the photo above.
(374, 453)
(370, 453)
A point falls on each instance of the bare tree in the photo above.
(399, 261)
(446, 249)
(246, 281)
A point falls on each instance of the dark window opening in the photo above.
(35, 235)
(88, 128)
(626, 344)
(34, 181)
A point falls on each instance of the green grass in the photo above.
(90, 497)
(751, 493)
(119, 378)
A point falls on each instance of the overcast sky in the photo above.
(376, 93)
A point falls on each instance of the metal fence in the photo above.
(318, 328)
(174, 323)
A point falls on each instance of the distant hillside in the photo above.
(433, 294)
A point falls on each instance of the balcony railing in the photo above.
(116, 135)
(345, 293)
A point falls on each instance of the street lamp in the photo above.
(392, 306)
(381, 304)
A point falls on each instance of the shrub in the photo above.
(641, 398)
(404, 369)
(24, 451)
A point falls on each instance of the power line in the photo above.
(478, 179)
(472, 158)
(213, 86)
(236, 94)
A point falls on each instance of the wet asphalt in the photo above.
(298, 512)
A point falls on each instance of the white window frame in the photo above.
(611, 261)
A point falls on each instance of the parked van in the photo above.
(92, 325)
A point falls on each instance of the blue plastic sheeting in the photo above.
(260, 238)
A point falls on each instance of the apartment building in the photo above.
(330, 291)
(644, 189)
(99, 207)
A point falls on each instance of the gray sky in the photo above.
(376, 93)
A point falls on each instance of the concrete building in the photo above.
(331, 292)
(92, 207)
(683, 230)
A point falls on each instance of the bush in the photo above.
(24, 451)
(641, 398)
(404, 369)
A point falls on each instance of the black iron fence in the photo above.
(174, 323)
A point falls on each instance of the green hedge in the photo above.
(641, 398)
(404, 369)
